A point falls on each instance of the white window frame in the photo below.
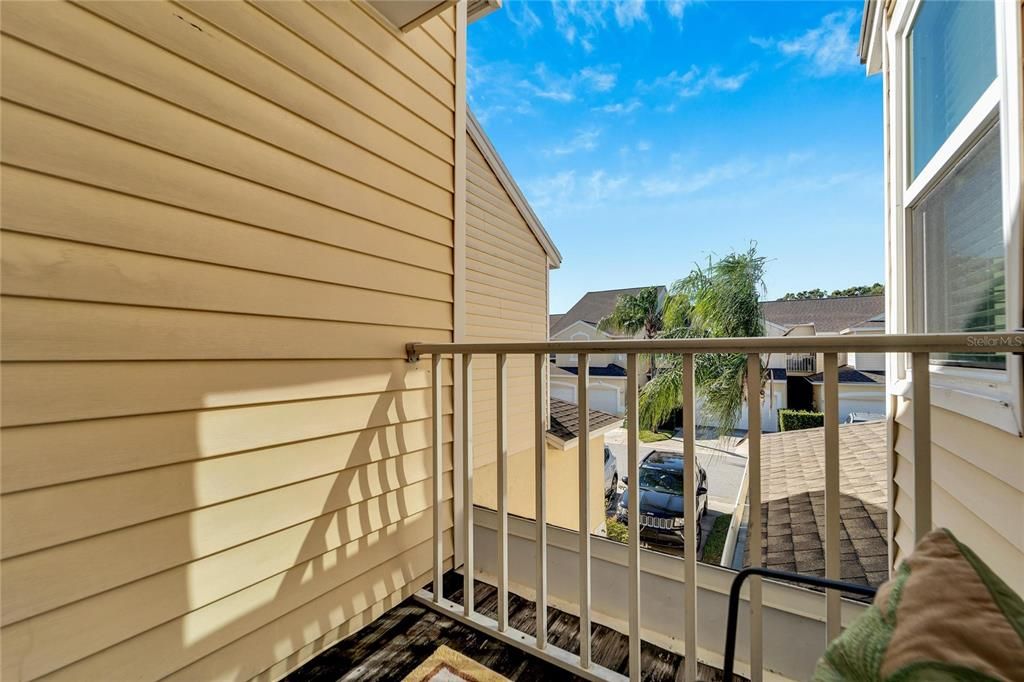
(987, 395)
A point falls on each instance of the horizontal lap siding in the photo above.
(977, 491)
(506, 300)
(221, 224)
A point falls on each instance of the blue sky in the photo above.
(648, 136)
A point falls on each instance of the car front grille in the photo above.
(656, 522)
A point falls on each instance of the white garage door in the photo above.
(563, 392)
(848, 405)
(604, 398)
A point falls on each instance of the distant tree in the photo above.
(801, 295)
(876, 289)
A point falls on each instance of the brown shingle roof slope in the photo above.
(793, 507)
(593, 306)
(565, 423)
(829, 315)
(553, 319)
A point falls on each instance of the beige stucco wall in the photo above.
(223, 222)
(562, 484)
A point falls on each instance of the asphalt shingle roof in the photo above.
(592, 307)
(828, 315)
(852, 375)
(565, 423)
(793, 506)
(611, 370)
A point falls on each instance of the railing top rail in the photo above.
(980, 342)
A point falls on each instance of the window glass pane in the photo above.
(959, 232)
(953, 61)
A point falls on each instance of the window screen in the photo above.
(958, 230)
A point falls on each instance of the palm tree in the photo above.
(718, 301)
(642, 311)
(635, 312)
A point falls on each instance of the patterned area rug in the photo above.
(448, 665)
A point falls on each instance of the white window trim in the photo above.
(994, 397)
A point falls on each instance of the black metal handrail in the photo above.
(734, 601)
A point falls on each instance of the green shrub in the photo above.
(616, 531)
(794, 420)
(716, 540)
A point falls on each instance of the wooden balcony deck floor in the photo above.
(392, 646)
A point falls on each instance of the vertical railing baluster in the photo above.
(583, 452)
(633, 468)
(501, 387)
(754, 524)
(437, 436)
(540, 448)
(831, 409)
(690, 518)
(467, 482)
(921, 395)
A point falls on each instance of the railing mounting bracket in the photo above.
(411, 353)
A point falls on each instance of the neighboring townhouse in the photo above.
(801, 372)
(508, 256)
(793, 381)
(607, 371)
(952, 76)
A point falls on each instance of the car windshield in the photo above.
(661, 480)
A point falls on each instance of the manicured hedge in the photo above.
(794, 420)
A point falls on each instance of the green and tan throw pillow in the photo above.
(944, 616)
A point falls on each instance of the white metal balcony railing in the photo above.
(917, 345)
(801, 362)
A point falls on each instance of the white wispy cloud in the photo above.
(568, 190)
(695, 81)
(674, 183)
(580, 21)
(522, 17)
(572, 190)
(627, 107)
(505, 87)
(599, 79)
(629, 12)
(827, 49)
(549, 85)
(584, 140)
(675, 8)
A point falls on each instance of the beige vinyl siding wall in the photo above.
(977, 490)
(506, 300)
(222, 222)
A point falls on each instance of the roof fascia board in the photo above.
(573, 324)
(481, 8)
(476, 132)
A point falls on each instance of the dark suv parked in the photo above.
(661, 499)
